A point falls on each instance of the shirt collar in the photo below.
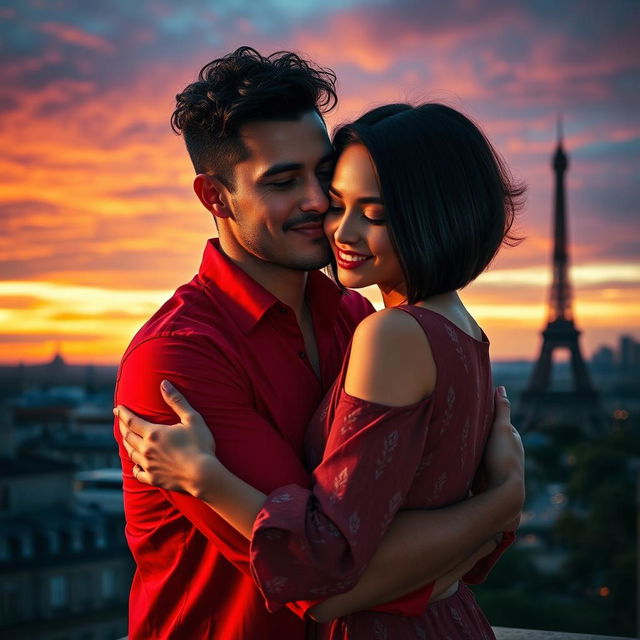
(249, 301)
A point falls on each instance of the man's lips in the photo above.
(350, 259)
(312, 229)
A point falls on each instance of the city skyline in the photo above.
(100, 221)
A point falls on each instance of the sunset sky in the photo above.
(99, 222)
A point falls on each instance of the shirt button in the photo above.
(302, 354)
(283, 309)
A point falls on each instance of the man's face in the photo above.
(280, 195)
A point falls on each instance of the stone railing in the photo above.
(502, 633)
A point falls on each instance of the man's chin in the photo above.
(310, 264)
(321, 259)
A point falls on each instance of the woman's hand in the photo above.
(168, 456)
(503, 461)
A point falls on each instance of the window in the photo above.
(108, 583)
(101, 538)
(27, 546)
(76, 540)
(10, 604)
(5, 498)
(59, 591)
(54, 542)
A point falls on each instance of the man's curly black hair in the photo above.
(245, 86)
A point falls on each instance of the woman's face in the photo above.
(356, 226)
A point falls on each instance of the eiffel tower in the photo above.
(540, 404)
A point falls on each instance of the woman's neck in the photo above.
(451, 307)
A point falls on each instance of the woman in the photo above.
(420, 204)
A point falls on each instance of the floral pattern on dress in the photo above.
(339, 485)
(389, 444)
(375, 461)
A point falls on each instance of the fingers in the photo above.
(503, 406)
(133, 445)
(130, 439)
(141, 475)
(132, 421)
(138, 459)
(177, 401)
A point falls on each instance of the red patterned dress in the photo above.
(370, 461)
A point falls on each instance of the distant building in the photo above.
(622, 362)
(85, 451)
(81, 435)
(15, 380)
(604, 360)
(629, 355)
(66, 423)
(65, 571)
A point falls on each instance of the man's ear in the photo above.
(213, 195)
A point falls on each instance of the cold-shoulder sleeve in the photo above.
(314, 543)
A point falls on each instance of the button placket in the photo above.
(283, 320)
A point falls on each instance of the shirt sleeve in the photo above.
(246, 443)
(314, 543)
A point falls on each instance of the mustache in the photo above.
(302, 219)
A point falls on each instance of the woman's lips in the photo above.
(350, 259)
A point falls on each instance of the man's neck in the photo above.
(288, 285)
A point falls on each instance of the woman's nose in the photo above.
(346, 231)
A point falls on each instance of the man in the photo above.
(254, 341)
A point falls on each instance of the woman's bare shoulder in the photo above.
(391, 361)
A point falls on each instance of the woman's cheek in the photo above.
(330, 225)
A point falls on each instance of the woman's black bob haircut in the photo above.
(449, 199)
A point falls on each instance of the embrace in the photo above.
(295, 464)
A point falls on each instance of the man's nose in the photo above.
(315, 197)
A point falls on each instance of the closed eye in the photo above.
(282, 184)
(374, 221)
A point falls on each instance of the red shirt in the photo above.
(238, 355)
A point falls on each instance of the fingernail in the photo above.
(502, 391)
(166, 385)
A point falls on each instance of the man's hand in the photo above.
(503, 460)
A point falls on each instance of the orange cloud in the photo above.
(20, 302)
(73, 35)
